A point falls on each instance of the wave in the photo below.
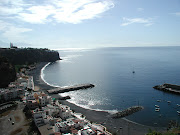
(88, 106)
(42, 76)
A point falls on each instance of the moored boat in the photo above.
(157, 109)
(157, 106)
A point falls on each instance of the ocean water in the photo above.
(116, 87)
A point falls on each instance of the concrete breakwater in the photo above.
(168, 88)
(127, 112)
(70, 88)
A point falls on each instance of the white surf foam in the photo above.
(69, 58)
(74, 101)
(42, 76)
(88, 105)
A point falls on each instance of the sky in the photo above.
(58, 24)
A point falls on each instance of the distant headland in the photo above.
(13, 57)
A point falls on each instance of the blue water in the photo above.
(116, 87)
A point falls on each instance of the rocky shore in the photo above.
(119, 126)
(127, 112)
(171, 88)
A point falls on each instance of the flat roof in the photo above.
(45, 130)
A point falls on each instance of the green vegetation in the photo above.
(20, 57)
(33, 130)
(7, 72)
(29, 55)
(32, 127)
(18, 67)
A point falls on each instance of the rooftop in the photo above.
(46, 130)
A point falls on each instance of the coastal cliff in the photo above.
(29, 55)
(21, 56)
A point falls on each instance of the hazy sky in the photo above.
(89, 23)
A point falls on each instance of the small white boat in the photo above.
(157, 106)
(178, 105)
(157, 109)
(158, 100)
(178, 112)
(169, 101)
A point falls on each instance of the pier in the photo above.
(70, 88)
(168, 88)
(127, 112)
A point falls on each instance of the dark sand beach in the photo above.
(119, 126)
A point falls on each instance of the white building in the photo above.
(44, 99)
(65, 112)
(88, 131)
(39, 116)
(9, 94)
(52, 109)
(30, 84)
(79, 123)
(64, 126)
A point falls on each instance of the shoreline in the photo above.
(121, 126)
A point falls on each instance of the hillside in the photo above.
(21, 56)
(7, 72)
(29, 55)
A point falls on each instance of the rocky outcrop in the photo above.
(127, 112)
(171, 88)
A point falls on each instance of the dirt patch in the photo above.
(5, 113)
(36, 88)
(17, 118)
(27, 124)
(16, 131)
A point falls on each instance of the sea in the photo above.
(116, 86)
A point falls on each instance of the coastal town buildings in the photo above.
(65, 112)
(10, 94)
(57, 118)
(64, 126)
(38, 116)
(44, 99)
(18, 88)
(49, 115)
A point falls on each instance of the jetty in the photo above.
(70, 88)
(127, 112)
(172, 88)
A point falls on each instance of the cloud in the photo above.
(38, 14)
(140, 9)
(177, 13)
(11, 7)
(12, 32)
(81, 10)
(146, 22)
(61, 11)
